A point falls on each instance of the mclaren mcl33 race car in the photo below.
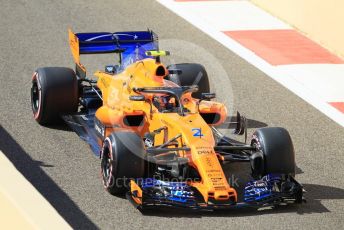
(153, 127)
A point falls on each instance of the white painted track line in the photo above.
(276, 73)
(324, 80)
(232, 15)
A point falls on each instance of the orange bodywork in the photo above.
(74, 48)
(116, 90)
(117, 108)
(135, 189)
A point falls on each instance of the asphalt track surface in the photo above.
(63, 168)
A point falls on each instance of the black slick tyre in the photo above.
(275, 152)
(122, 159)
(54, 91)
(191, 74)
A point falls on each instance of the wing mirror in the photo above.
(111, 69)
(141, 98)
(207, 96)
(137, 98)
(175, 71)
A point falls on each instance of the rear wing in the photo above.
(124, 43)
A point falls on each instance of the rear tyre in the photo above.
(275, 152)
(191, 74)
(122, 159)
(54, 91)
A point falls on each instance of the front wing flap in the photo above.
(151, 193)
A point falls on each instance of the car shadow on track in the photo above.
(61, 126)
(32, 171)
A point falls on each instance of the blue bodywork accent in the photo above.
(83, 125)
(132, 44)
(258, 190)
(172, 191)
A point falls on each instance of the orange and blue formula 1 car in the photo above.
(154, 128)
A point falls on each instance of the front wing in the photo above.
(177, 195)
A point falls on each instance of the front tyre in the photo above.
(275, 153)
(122, 159)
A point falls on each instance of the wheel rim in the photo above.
(35, 96)
(106, 166)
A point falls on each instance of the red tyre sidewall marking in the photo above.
(35, 77)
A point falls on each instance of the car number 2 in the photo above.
(197, 132)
